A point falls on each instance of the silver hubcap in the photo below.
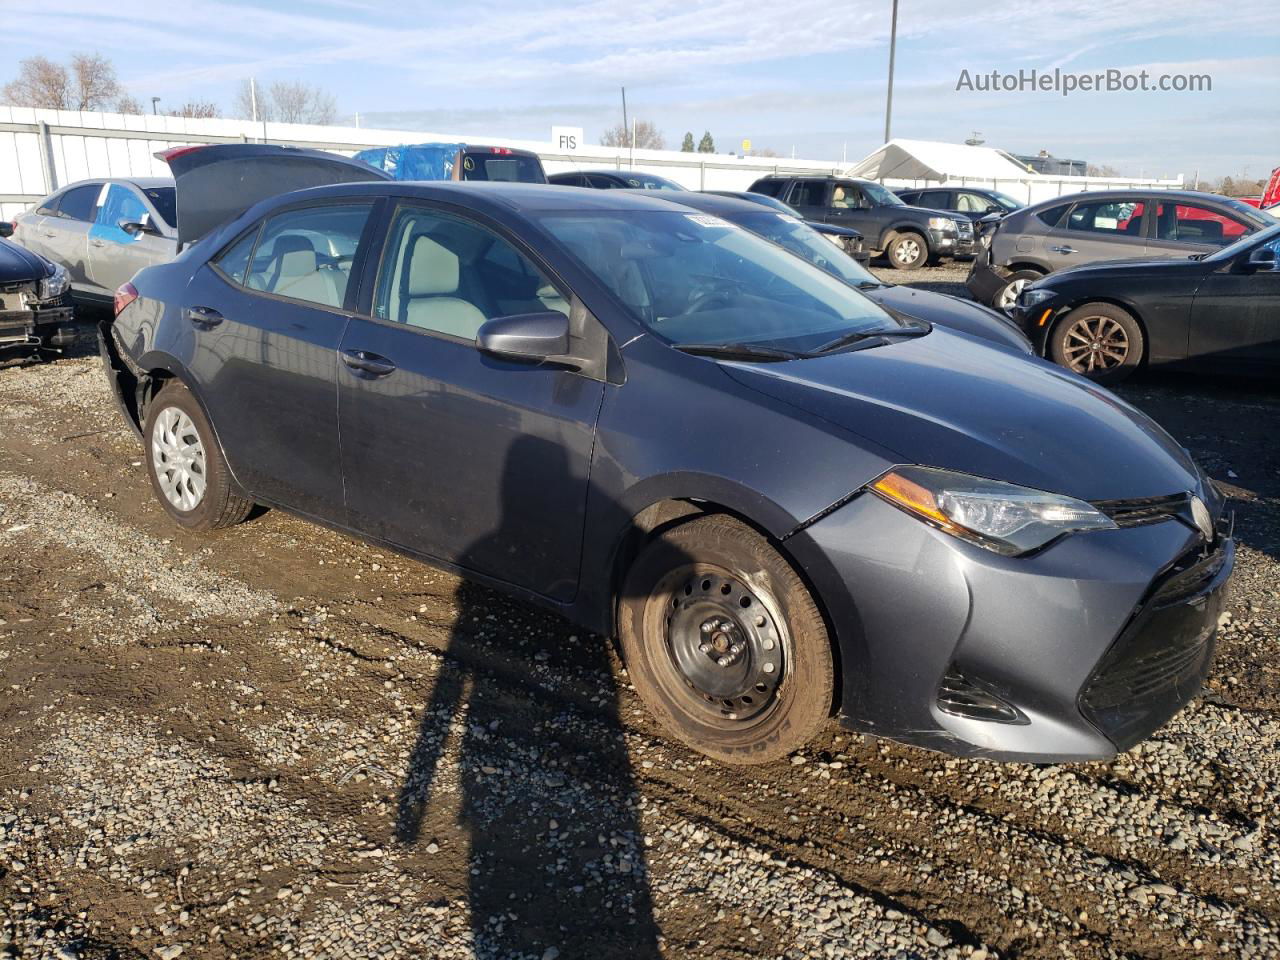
(908, 250)
(177, 455)
(1010, 295)
(1095, 344)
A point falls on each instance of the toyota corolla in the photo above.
(788, 502)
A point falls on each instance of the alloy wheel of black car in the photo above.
(1098, 341)
(908, 251)
(188, 474)
(724, 642)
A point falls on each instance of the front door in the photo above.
(446, 450)
(1235, 317)
(268, 317)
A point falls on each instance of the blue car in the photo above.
(788, 502)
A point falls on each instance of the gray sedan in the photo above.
(1104, 225)
(103, 232)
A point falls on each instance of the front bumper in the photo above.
(1085, 641)
(39, 324)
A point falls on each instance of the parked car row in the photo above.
(790, 492)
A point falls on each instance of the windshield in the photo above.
(1269, 237)
(695, 278)
(162, 199)
(649, 181)
(807, 243)
(510, 166)
(880, 195)
(1004, 200)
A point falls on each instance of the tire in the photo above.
(1098, 340)
(710, 590)
(1005, 297)
(188, 473)
(908, 250)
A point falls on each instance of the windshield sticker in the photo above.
(706, 220)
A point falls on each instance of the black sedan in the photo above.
(1219, 311)
(35, 312)
(846, 238)
(613, 180)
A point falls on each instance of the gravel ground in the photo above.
(281, 742)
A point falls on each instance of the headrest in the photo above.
(295, 254)
(433, 270)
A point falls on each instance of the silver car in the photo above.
(1104, 225)
(103, 232)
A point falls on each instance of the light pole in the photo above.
(893, 43)
(154, 101)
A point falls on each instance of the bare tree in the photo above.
(1103, 171)
(762, 152)
(128, 103)
(93, 82)
(40, 83)
(648, 136)
(243, 107)
(297, 102)
(196, 109)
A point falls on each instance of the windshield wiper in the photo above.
(857, 336)
(738, 351)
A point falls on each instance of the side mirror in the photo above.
(993, 208)
(1260, 258)
(134, 228)
(6, 229)
(526, 336)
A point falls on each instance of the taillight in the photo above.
(125, 296)
(174, 152)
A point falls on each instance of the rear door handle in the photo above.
(367, 364)
(203, 318)
(1063, 249)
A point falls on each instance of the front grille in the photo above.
(1132, 513)
(1159, 662)
(965, 228)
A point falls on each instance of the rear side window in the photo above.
(307, 254)
(234, 261)
(937, 199)
(1114, 217)
(1053, 215)
(808, 193)
(770, 188)
(79, 203)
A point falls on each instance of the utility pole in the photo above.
(893, 43)
(625, 126)
(154, 101)
(632, 162)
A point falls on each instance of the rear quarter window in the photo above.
(1052, 216)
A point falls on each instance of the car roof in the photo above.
(518, 197)
(1131, 194)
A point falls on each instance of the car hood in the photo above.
(941, 309)
(945, 400)
(18, 264)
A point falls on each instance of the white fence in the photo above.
(42, 150)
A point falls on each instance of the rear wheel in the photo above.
(1099, 341)
(908, 250)
(724, 642)
(188, 474)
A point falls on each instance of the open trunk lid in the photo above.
(218, 182)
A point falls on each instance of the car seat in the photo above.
(429, 293)
(296, 273)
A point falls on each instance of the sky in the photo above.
(800, 75)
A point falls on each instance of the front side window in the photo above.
(307, 254)
(599, 182)
(1114, 217)
(879, 195)
(121, 205)
(1194, 223)
(690, 278)
(448, 275)
(974, 203)
(79, 203)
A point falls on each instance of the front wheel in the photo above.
(1099, 341)
(724, 642)
(908, 251)
(1007, 296)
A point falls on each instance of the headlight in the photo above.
(1031, 296)
(54, 285)
(1002, 517)
(942, 223)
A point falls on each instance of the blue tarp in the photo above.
(414, 161)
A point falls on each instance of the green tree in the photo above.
(706, 144)
(686, 146)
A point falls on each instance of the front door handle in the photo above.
(367, 364)
(203, 318)
(1063, 249)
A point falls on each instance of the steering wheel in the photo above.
(709, 300)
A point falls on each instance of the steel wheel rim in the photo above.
(1011, 291)
(908, 250)
(724, 646)
(178, 458)
(1095, 344)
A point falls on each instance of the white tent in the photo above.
(932, 160)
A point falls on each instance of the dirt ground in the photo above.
(278, 741)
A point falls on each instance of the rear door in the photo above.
(30, 228)
(66, 236)
(451, 452)
(1102, 229)
(268, 315)
(115, 255)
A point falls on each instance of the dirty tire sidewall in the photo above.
(220, 505)
(897, 256)
(803, 700)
